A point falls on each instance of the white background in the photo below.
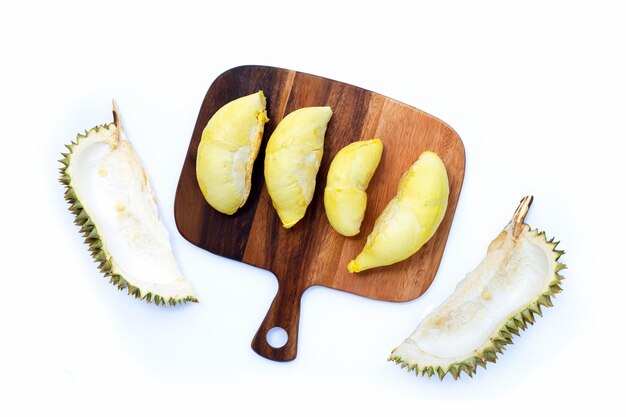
(536, 91)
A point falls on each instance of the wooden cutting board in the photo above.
(312, 253)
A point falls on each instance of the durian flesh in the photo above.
(519, 274)
(411, 217)
(292, 160)
(345, 197)
(229, 145)
(111, 198)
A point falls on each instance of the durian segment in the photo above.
(411, 217)
(110, 195)
(349, 175)
(230, 143)
(292, 159)
(519, 274)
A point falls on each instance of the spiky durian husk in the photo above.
(504, 336)
(90, 233)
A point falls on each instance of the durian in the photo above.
(230, 143)
(292, 159)
(350, 172)
(411, 217)
(108, 192)
(519, 274)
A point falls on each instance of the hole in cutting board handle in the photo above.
(277, 337)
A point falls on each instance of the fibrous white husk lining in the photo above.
(504, 336)
(90, 232)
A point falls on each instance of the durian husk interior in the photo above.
(450, 340)
(133, 219)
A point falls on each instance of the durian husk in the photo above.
(90, 233)
(519, 321)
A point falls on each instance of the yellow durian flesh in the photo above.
(292, 160)
(411, 217)
(349, 175)
(229, 145)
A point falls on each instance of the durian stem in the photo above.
(118, 124)
(520, 215)
(116, 115)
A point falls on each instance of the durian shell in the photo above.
(90, 233)
(503, 336)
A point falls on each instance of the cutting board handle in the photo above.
(283, 313)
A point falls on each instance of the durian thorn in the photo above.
(520, 215)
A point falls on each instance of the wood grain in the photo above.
(312, 253)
